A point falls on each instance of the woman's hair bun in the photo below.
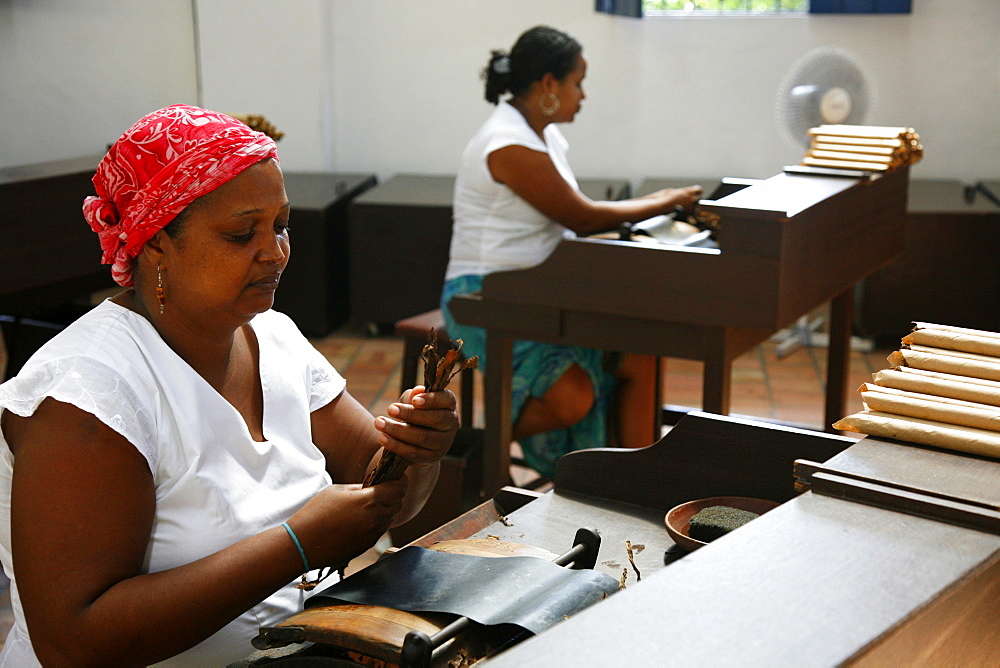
(539, 51)
(497, 75)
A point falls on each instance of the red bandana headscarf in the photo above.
(168, 159)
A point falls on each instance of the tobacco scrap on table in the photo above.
(438, 373)
(631, 559)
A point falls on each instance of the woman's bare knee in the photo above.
(564, 404)
(571, 397)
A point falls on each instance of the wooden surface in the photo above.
(787, 245)
(818, 581)
(625, 494)
(49, 257)
(947, 271)
(315, 290)
(400, 237)
(400, 232)
(49, 254)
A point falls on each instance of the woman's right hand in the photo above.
(686, 198)
(343, 521)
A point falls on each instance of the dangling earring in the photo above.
(159, 288)
(552, 107)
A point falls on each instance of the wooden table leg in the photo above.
(658, 400)
(717, 375)
(838, 357)
(497, 434)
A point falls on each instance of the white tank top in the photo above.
(494, 229)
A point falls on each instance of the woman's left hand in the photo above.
(420, 427)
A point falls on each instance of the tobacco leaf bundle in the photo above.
(438, 373)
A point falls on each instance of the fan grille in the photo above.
(827, 86)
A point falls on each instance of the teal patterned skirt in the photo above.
(536, 367)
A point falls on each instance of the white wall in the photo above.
(665, 96)
(390, 86)
(75, 74)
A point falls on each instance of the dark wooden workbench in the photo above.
(890, 557)
(786, 246)
(824, 579)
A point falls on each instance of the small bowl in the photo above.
(678, 519)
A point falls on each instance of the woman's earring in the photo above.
(553, 104)
(159, 288)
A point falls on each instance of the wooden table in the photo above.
(786, 246)
(881, 573)
(890, 557)
(50, 257)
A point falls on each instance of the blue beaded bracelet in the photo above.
(295, 539)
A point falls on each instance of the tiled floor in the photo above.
(789, 389)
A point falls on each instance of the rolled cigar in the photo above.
(860, 141)
(860, 149)
(951, 340)
(963, 414)
(876, 131)
(949, 376)
(889, 379)
(958, 366)
(844, 164)
(959, 330)
(854, 157)
(951, 352)
(923, 396)
(926, 432)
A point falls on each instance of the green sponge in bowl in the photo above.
(715, 521)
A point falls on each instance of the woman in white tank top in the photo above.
(515, 197)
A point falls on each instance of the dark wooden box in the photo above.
(948, 271)
(314, 289)
(400, 239)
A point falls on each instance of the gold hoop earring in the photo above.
(159, 289)
(552, 107)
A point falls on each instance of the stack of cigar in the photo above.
(867, 148)
(942, 389)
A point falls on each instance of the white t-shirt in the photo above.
(214, 484)
(494, 229)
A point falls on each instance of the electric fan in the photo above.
(826, 86)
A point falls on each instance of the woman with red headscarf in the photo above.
(173, 462)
